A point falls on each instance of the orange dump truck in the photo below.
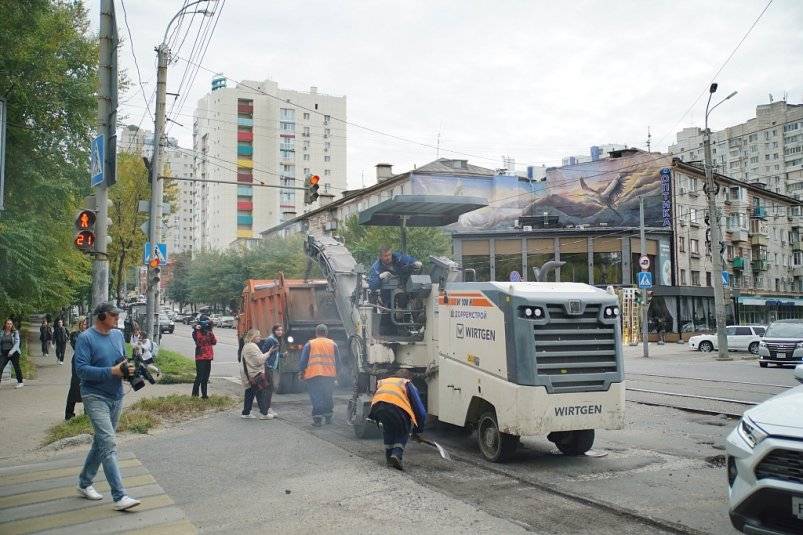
(299, 306)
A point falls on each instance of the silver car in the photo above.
(765, 465)
(782, 344)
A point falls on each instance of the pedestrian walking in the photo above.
(397, 406)
(45, 336)
(60, 339)
(255, 377)
(204, 353)
(74, 394)
(99, 361)
(318, 365)
(272, 347)
(10, 350)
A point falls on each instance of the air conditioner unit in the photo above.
(527, 228)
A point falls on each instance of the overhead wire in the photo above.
(134, 55)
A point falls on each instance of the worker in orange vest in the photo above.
(318, 365)
(397, 406)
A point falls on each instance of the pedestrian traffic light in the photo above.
(85, 231)
(637, 297)
(311, 185)
(156, 271)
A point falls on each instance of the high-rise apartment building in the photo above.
(767, 150)
(177, 229)
(595, 152)
(256, 134)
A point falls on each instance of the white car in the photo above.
(740, 338)
(765, 465)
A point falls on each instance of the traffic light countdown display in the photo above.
(311, 185)
(85, 231)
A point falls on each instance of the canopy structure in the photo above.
(419, 211)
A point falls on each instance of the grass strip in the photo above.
(175, 367)
(145, 414)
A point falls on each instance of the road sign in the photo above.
(726, 279)
(645, 280)
(161, 253)
(515, 276)
(97, 162)
(644, 262)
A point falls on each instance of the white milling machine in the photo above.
(508, 359)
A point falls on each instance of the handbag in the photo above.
(259, 381)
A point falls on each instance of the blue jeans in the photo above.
(104, 413)
(320, 394)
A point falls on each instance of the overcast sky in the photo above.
(536, 80)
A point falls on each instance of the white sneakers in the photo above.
(19, 385)
(270, 411)
(248, 416)
(61, 363)
(268, 416)
(125, 503)
(90, 493)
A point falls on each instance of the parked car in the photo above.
(166, 325)
(215, 319)
(227, 322)
(190, 318)
(764, 465)
(740, 338)
(783, 344)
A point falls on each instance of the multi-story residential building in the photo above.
(766, 150)
(254, 135)
(177, 231)
(595, 152)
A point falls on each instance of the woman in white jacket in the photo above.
(10, 350)
(253, 363)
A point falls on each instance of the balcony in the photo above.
(797, 271)
(738, 235)
(760, 265)
(737, 263)
(759, 240)
(759, 212)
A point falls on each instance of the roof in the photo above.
(420, 210)
(519, 233)
(691, 168)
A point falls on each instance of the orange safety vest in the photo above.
(321, 358)
(394, 391)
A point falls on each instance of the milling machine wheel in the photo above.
(573, 442)
(495, 446)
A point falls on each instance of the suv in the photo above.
(740, 338)
(782, 344)
(764, 460)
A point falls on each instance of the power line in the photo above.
(134, 55)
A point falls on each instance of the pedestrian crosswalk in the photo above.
(41, 498)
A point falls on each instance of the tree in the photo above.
(49, 65)
(363, 241)
(128, 240)
(178, 290)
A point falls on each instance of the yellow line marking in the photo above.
(176, 528)
(79, 516)
(27, 498)
(55, 473)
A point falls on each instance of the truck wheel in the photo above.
(573, 442)
(495, 446)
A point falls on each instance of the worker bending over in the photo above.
(318, 365)
(397, 406)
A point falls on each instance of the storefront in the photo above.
(763, 310)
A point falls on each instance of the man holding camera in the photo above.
(204, 340)
(99, 362)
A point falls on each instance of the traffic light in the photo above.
(638, 297)
(311, 185)
(85, 231)
(156, 270)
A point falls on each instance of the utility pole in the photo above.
(716, 233)
(107, 123)
(155, 236)
(644, 305)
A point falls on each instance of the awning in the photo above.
(772, 302)
(420, 210)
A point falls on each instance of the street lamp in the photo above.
(716, 232)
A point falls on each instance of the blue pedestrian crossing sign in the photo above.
(726, 279)
(644, 279)
(161, 253)
(97, 161)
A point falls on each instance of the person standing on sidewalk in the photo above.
(60, 338)
(253, 360)
(10, 350)
(271, 347)
(45, 336)
(74, 395)
(318, 365)
(397, 406)
(99, 361)
(204, 340)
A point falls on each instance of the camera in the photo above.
(140, 374)
(205, 324)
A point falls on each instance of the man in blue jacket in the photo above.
(397, 405)
(389, 263)
(99, 362)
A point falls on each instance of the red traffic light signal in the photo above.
(154, 262)
(85, 240)
(314, 179)
(85, 220)
(85, 231)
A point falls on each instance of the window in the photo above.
(327, 158)
(708, 278)
(759, 330)
(695, 278)
(682, 244)
(306, 115)
(694, 248)
(306, 157)
(683, 277)
(327, 172)
(325, 119)
(306, 132)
